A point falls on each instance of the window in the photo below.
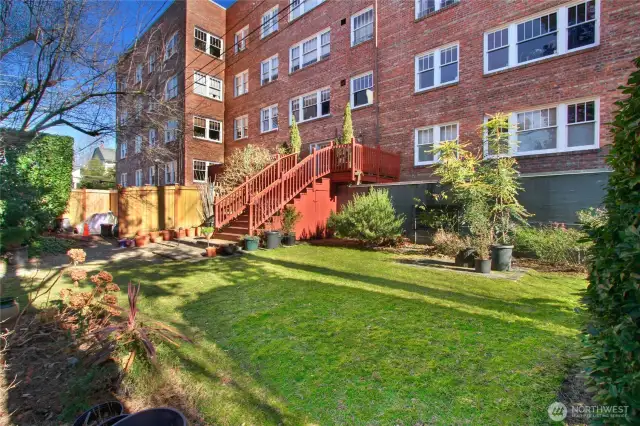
(568, 126)
(139, 106)
(171, 47)
(241, 127)
(139, 177)
(314, 105)
(170, 172)
(241, 83)
(139, 73)
(436, 68)
(362, 27)
(425, 7)
(208, 86)
(123, 180)
(207, 43)
(241, 39)
(206, 128)
(124, 117)
(310, 51)
(153, 137)
(269, 22)
(563, 30)
(427, 138)
(123, 150)
(171, 131)
(269, 70)
(298, 8)
(201, 170)
(269, 119)
(362, 90)
(138, 145)
(152, 175)
(152, 62)
(171, 88)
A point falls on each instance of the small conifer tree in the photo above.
(295, 141)
(347, 126)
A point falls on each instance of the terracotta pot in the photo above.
(166, 235)
(141, 241)
(178, 233)
(196, 231)
(156, 239)
(187, 232)
(211, 251)
(154, 234)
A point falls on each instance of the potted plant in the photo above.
(208, 234)
(155, 236)
(166, 234)
(187, 232)
(483, 261)
(290, 217)
(141, 240)
(14, 239)
(229, 249)
(179, 233)
(251, 242)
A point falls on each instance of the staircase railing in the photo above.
(232, 204)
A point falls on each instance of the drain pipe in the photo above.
(376, 73)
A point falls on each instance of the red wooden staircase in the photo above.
(246, 208)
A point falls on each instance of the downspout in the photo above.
(376, 72)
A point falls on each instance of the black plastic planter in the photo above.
(155, 417)
(100, 414)
(483, 266)
(273, 239)
(501, 258)
(289, 239)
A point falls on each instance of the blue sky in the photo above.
(133, 15)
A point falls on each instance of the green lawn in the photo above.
(317, 335)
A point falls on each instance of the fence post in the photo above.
(315, 168)
(250, 219)
(176, 207)
(246, 190)
(353, 159)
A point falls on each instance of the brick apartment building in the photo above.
(415, 71)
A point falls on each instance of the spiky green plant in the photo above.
(347, 126)
(295, 141)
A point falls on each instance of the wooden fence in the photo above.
(139, 208)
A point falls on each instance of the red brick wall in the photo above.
(209, 17)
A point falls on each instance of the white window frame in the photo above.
(299, 45)
(137, 146)
(244, 130)
(300, 98)
(353, 29)
(271, 75)
(209, 124)
(139, 71)
(171, 131)
(153, 137)
(139, 177)
(123, 150)
(206, 169)
(438, 4)
(562, 131)
(436, 141)
(562, 35)
(241, 40)
(208, 42)
(270, 25)
(297, 8)
(123, 179)
(171, 47)
(151, 63)
(244, 77)
(152, 175)
(437, 66)
(270, 115)
(170, 172)
(352, 93)
(174, 91)
(209, 81)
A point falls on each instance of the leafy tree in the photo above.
(347, 126)
(95, 176)
(242, 163)
(295, 141)
(370, 218)
(613, 295)
(36, 181)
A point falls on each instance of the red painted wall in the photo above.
(315, 205)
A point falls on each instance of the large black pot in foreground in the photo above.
(501, 258)
(273, 239)
(100, 414)
(155, 417)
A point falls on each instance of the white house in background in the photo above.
(76, 175)
(107, 156)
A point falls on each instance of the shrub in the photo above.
(449, 243)
(290, 217)
(295, 141)
(592, 218)
(553, 244)
(36, 182)
(243, 163)
(369, 218)
(613, 294)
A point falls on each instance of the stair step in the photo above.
(227, 236)
(235, 231)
